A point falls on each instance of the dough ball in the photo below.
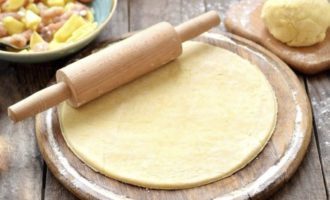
(297, 22)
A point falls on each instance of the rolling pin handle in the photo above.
(39, 101)
(197, 25)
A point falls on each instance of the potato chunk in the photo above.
(82, 32)
(56, 3)
(35, 39)
(31, 20)
(12, 25)
(90, 16)
(73, 23)
(33, 7)
(13, 5)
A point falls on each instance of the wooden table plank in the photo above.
(22, 175)
(319, 92)
(192, 8)
(119, 22)
(119, 25)
(221, 6)
(54, 190)
(144, 13)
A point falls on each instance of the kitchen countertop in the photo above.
(25, 175)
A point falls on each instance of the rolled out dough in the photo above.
(200, 118)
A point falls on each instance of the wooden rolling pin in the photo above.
(99, 73)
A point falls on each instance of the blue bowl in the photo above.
(103, 12)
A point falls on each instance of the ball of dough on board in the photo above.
(297, 22)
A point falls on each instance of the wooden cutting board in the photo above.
(264, 175)
(243, 18)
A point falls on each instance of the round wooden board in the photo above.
(264, 175)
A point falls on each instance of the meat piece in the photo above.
(64, 17)
(27, 34)
(10, 14)
(48, 31)
(42, 7)
(18, 40)
(49, 14)
(3, 31)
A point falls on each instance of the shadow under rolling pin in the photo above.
(99, 73)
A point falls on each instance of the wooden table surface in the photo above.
(23, 173)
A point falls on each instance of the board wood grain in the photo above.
(243, 18)
(264, 175)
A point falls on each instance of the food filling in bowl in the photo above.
(42, 25)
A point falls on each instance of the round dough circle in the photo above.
(200, 118)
